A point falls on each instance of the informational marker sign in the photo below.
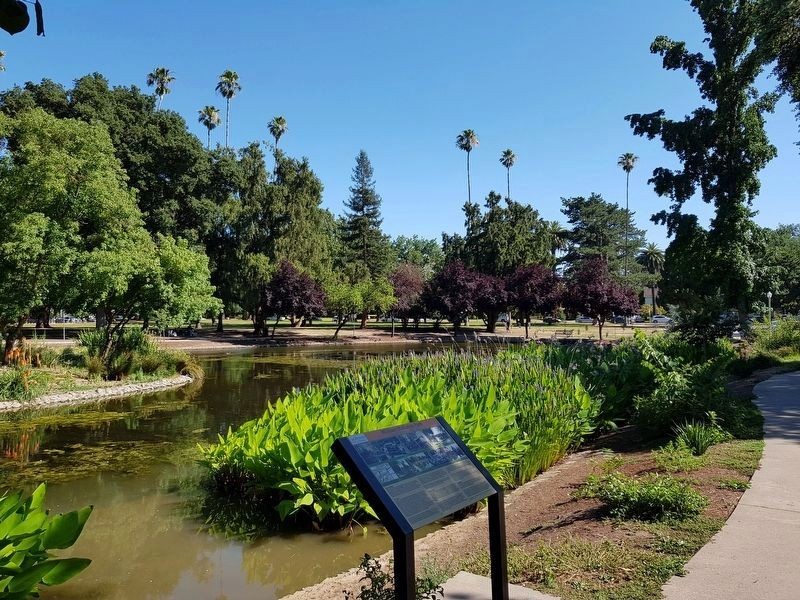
(418, 473)
(423, 470)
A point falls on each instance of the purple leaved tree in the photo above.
(491, 298)
(294, 294)
(534, 289)
(592, 291)
(453, 292)
(408, 282)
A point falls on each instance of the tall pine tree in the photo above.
(368, 250)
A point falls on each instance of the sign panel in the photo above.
(422, 469)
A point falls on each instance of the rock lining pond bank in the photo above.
(97, 394)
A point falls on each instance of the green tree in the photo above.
(721, 147)
(599, 229)
(2, 58)
(778, 39)
(423, 253)
(627, 162)
(652, 259)
(164, 161)
(185, 290)
(500, 238)
(208, 116)
(63, 197)
(558, 238)
(161, 78)
(467, 140)
(301, 231)
(367, 248)
(228, 87)
(507, 159)
(344, 300)
(277, 127)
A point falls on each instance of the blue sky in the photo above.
(551, 80)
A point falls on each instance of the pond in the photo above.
(134, 460)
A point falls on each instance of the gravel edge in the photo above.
(101, 393)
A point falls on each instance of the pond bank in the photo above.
(455, 541)
(94, 395)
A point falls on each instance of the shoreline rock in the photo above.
(101, 393)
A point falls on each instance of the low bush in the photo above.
(22, 383)
(650, 498)
(134, 352)
(676, 457)
(698, 436)
(27, 535)
(683, 390)
(781, 337)
(379, 584)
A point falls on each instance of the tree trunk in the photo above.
(527, 324)
(227, 120)
(653, 295)
(491, 322)
(600, 327)
(342, 323)
(469, 184)
(508, 182)
(208, 145)
(220, 318)
(627, 218)
(275, 326)
(364, 317)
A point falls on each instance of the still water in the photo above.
(134, 460)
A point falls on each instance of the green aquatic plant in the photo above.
(27, 535)
(515, 412)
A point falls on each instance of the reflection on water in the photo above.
(131, 457)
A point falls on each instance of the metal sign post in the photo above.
(418, 473)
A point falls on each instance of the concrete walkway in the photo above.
(466, 586)
(756, 555)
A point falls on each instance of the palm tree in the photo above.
(209, 117)
(466, 141)
(277, 127)
(507, 159)
(557, 239)
(161, 78)
(228, 86)
(652, 259)
(627, 161)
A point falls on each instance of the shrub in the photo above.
(675, 457)
(134, 351)
(93, 340)
(781, 338)
(614, 375)
(27, 534)
(381, 586)
(651, 498)
(95, 366)
(22, 383)
(683, 389)
(699, 437)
